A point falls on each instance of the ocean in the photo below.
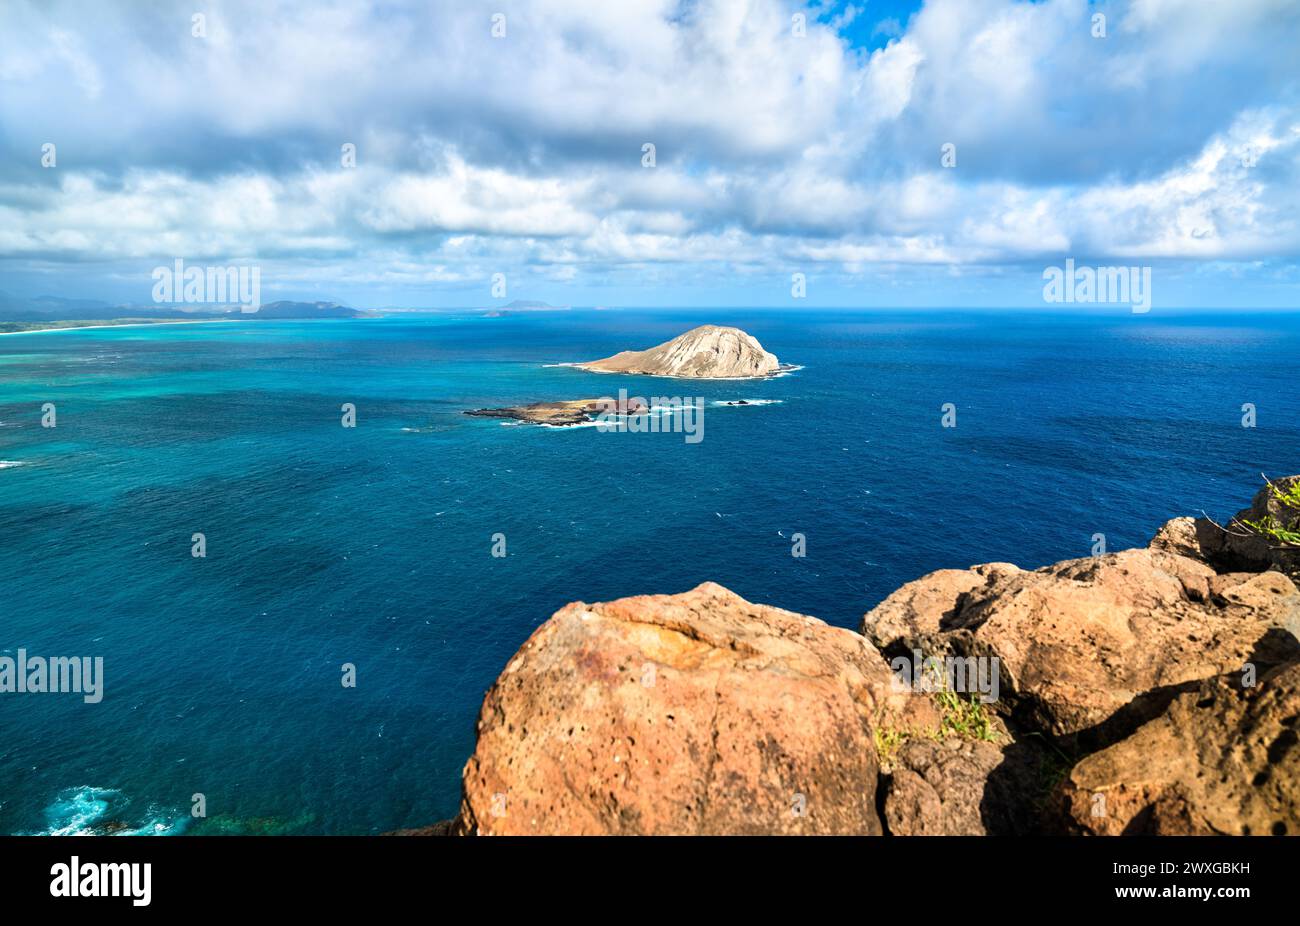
(372, 546)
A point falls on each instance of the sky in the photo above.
(789, 138)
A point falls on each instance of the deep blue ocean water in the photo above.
(372, 545)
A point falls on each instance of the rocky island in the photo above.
(565, 413)
(706, 352)
(1149, 691)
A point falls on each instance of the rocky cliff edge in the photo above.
(1151, 690)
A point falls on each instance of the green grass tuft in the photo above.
(965, 717)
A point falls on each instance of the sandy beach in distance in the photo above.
(179, 321)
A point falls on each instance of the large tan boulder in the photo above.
(1083, 640)
(1196, 538)
(704, 713)
(1223, 759)
(930, 603)
(696, 713)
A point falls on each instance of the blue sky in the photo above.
(1171, 142)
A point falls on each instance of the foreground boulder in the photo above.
(1146, 691)
(962, 787)
(931, 603)
(1096, 646)
(697, 713)
(1223, 759)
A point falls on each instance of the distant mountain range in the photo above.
(55, 308)
(286, 309)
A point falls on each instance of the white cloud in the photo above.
(476, 152)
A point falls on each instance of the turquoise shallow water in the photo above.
(372, 545)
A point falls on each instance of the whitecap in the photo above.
(74, 811)
(88, 811)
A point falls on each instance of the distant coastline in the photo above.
(49, 313)
(130, 323)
